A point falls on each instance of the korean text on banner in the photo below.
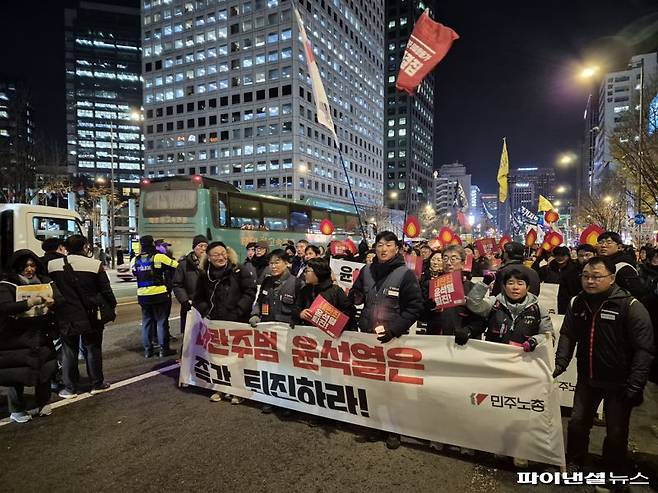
(34, 291)
(447, 290)
(428, 44)
(346, 272)
(327, 317)
(496, 397)
(486, 246)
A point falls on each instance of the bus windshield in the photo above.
(169, 202)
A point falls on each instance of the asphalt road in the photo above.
(146, 434)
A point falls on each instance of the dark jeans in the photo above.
(617, 415)
(16, 397)
(154, 318)
(92, 349)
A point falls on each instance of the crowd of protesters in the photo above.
(607, 294)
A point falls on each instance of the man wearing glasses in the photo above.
(611, 245)
(614, 339)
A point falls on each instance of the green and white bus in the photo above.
(178, 208)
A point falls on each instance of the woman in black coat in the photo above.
(27, 354)
(319, 282)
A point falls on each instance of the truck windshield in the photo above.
(55, 227)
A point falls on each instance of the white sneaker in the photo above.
(67, 394)
(46, 410)
(22, 417)
(216, 397)
(520, 463)
(235, 400)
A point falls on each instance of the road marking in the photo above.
(117, 385)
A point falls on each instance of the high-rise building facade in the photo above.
(490, 210)
(408, 140)
(526, 184)
(17, 153)
(227, 94)
(449, 182)
(619, 93)
(104, 93)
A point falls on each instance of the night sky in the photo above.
(511, 74)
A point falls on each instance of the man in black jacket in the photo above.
(298, 260)
(557, 267)
(611, 245)
(570, 284)
(186, 276)
(52, 248)
(391, 297)
(513, 253)
(88, 294)
(614, 339)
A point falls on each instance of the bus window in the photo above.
(54, 227)
(339, 221)
(317, 215)
(219, 209)
(351, 224)
(300, 221)
(169, 202)
(245, 212)
(275, 216)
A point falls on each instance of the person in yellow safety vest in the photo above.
(148, 267)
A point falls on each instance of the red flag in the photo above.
(411, 227)
(590, 234)
(428, 44)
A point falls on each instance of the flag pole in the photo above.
(349, 186)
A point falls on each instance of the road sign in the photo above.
(640, 219)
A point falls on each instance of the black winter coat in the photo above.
(280, 304)
(334, 295)
(570, 286)
(225, 295)
(649, 276)
(27, 354)
(186, 279)
(614, 342)
(626, 276)
(552, 273)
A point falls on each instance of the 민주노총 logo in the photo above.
(510, 402)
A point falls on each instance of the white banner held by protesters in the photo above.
(485, 396)
(346, 272)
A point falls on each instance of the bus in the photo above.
(179, 207)
(26, 226)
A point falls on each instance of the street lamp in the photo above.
(561, 189)
(589, 72)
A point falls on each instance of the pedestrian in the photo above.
(480, 264)
(570, 284)
(250, 251)
(299, 261)
(261, 261)
(120, 255)
(391, 298)
(186, 277)
(152, 295)
(27, 354)
(362, 250)
(513, 317)
(613, 338)
(610, 244)
(370, 256)
(224, 291)
(89, 304)
(649, 275)
(559, 264)
(164, 247)
(102, 256)
(513, 257)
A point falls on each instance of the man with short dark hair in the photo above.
(52, 248)
(556, 267)
(298, 261)
(513, 255)
(186, 276)
(611, 245)
(570, 284)
(613, 336)
(89, 304)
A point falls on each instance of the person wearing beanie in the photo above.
(186, 276)
(513, 256)
(148, 268)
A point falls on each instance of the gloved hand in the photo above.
(292, 326)
(384, 335)
(558, 371)
(634, 396)
(430, 304)
(462, 334)
(254, 320)
(488, 278)
(530, 345)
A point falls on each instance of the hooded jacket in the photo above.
(27, 354)
(408, 296)
(509, 322)
(225, 294)
(614, 341)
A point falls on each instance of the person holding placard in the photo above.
(27, 354)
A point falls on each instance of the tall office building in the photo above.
(104, 93)
(490, 210)
(227, 94)
(619, 92)
(17, 154)
(448, 181)
(408, 142)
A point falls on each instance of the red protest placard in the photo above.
(486, 246)
(414, 263)
(327, 317)
(468, 265)
(448, 290)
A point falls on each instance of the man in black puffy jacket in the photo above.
(187, 276)
(614, 339)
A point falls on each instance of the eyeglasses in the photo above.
(452, 260)
(587, 277)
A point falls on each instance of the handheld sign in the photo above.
(448, 290)
(327, 317)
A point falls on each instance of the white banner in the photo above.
(548, 298)
(484, 396)
(346, 272)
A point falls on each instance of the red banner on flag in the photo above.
(327, 317)
(414, 263)
(428, 44)
(468, 265)
(486, 246)
(448, 290)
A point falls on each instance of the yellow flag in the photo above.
(503, 171)
(544, 204)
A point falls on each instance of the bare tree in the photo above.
(608, 206)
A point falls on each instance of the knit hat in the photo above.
(199, 239)
(146, 241)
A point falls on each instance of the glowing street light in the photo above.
(561, 189)
(607, 199)
(393, 195)
(589, 72)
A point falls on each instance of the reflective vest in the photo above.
(148, 271)
(380, 305)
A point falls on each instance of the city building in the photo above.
(448, 181)
(408, 142)
(526, 184)
(17, 152)
(619, 93)
(490, 210)
(227, 94)
(104, 94)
